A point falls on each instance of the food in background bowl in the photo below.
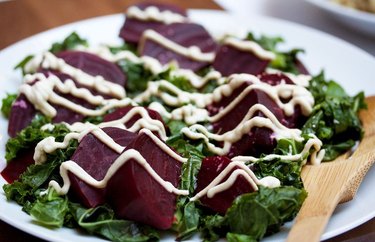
(364, 5)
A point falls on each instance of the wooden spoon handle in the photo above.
(325, 188)
(311, 222)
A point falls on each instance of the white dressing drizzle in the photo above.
(315, 158)
(131, 154)
(250, 46)
(49, 61)
(42, 92)
(297, 95)
(197, 81)
(218, 185)
(300, 79)
(152, 13)
(198, 131)
(192, 52)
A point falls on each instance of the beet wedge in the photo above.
(94, 65)
(210, 169)
(183, 34)
(95, 158)
(133, 28)
(121, 112)
(23, 112)
(245, 61)
(18, 165)
(135, 195)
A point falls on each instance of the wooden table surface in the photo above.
(22, 18)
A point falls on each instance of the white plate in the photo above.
(356, 19)
(323, 51)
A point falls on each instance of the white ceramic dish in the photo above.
(356, 19)
(323, 51)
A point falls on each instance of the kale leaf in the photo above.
(253, 215)
(137, 76)
(52, 210)
(101, 221)
(187, 214)
(32, 134)
(70, 42)
(6, 105)
(287, 171)
(334, 119)
(285, 61)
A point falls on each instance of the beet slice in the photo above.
(232, 118)
(135, 195)
(18, 165)
(184, 34)
(297, 119)
(210, 169)
(230, 60)
(121, 112)
(258, 141)
(94, 65)
(95, 158)
(21, 115)
(23, 112)
(132, 29)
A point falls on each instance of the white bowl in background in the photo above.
(356, 19)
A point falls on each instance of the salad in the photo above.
(364, 5)
(172, 131)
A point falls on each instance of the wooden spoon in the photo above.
(333, 182)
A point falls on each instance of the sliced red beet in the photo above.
(258, 141)
(21, 115)
(232, 118)
(184, 34)
(297, 119)
(135, 195)
(94, 65)
(210, 169)
(95, 158)
(132, 29)
(121, 112)
(23, 112)
(18, 165)
(230, 60)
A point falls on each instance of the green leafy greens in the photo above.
(6, 105)
(334, 119)
(256, 214)
(284, 61)
(70, 42)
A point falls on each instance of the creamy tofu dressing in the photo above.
(218, 184)
(192, 52)
(316, 156)
(153, 13)
(249, 46)
(42, 93)
(50, 61)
